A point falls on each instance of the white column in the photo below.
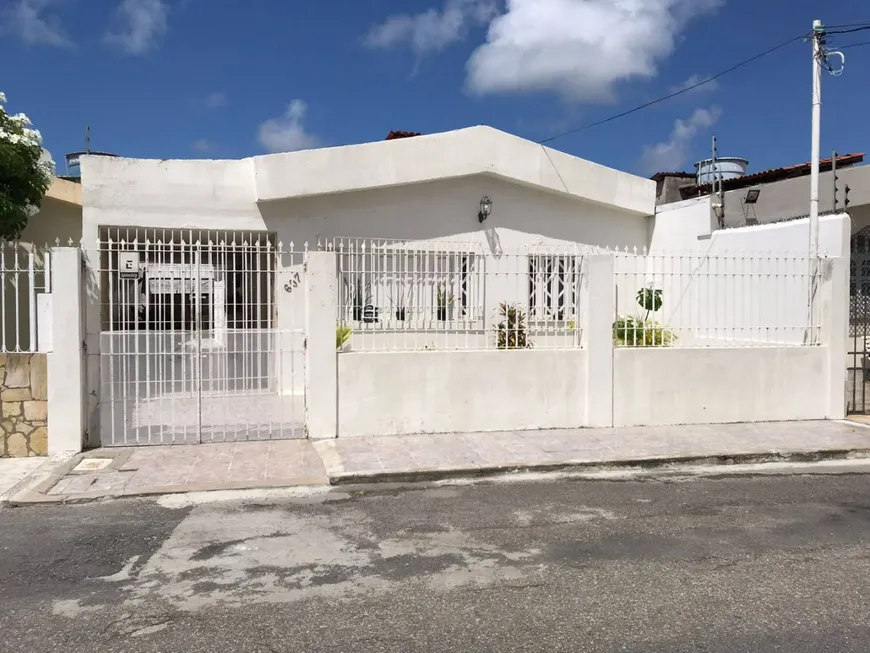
(65, 360)
(92, 308)
(833, 311)
(321, 364)
(597, 317)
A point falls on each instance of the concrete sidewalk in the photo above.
(418, 457)
(129, 472)
(104, 473)
(14, 470)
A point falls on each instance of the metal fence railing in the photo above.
(25, 272)
(699, 300)
(200, 336)
(412, 296)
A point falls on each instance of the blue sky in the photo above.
(232, 78)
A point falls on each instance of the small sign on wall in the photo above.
(128, 265)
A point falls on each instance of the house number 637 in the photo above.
(291, 285)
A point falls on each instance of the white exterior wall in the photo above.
(791, 237)
(660, 386)
(688, 226)
(676, 227)
(460, 391)
(219, 195)
(460, 153)
(447, 210)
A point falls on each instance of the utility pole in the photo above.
(821, 57)
(818, 35)
(834, 176)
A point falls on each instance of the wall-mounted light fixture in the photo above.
(749, 202)
(485, 208)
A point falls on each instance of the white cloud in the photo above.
(215, 100)
(138, 24)
(432, 30)
(29, 20)
(287, 133)
(691, 80)
(671, 154)
(578, 48)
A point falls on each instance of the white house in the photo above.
(414, 188)
(215, 249)
(451, 282)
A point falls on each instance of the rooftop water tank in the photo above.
(729, 167)
(73, 165)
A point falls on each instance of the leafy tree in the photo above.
(24, 176)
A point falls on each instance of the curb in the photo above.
(33, 490)
(32, 497)
(580, 466)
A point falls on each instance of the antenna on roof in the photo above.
(87, 139)
(717, 189)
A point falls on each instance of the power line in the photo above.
(852, 45)
(743, 63)
(846, 31)
(861, 24)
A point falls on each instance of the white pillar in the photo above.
(597, 315)
(92, 308)
(321, 364)
(833, 311)
(65, 360)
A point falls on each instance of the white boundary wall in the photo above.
(438, 392)
(384, 393)
(715, 386)
(688, 227)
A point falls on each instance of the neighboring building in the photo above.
(782, 193)
(59, 219)
(59, 216)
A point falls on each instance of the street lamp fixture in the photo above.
(485, 208)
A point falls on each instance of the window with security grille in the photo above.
(408, 285)
(553, 287)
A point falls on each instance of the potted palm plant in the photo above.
(399, 305)
(443, 303)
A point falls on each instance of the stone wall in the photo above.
(23, 395)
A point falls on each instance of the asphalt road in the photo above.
(745, 564)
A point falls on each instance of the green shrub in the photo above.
(342, 335)
(511, 330)
(636, 332)
(641, 331)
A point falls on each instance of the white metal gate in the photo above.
(201, 337)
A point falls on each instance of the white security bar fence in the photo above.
(25, 273)
(439, 295)
(201, 337)
(717, 300)
(204, 336)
